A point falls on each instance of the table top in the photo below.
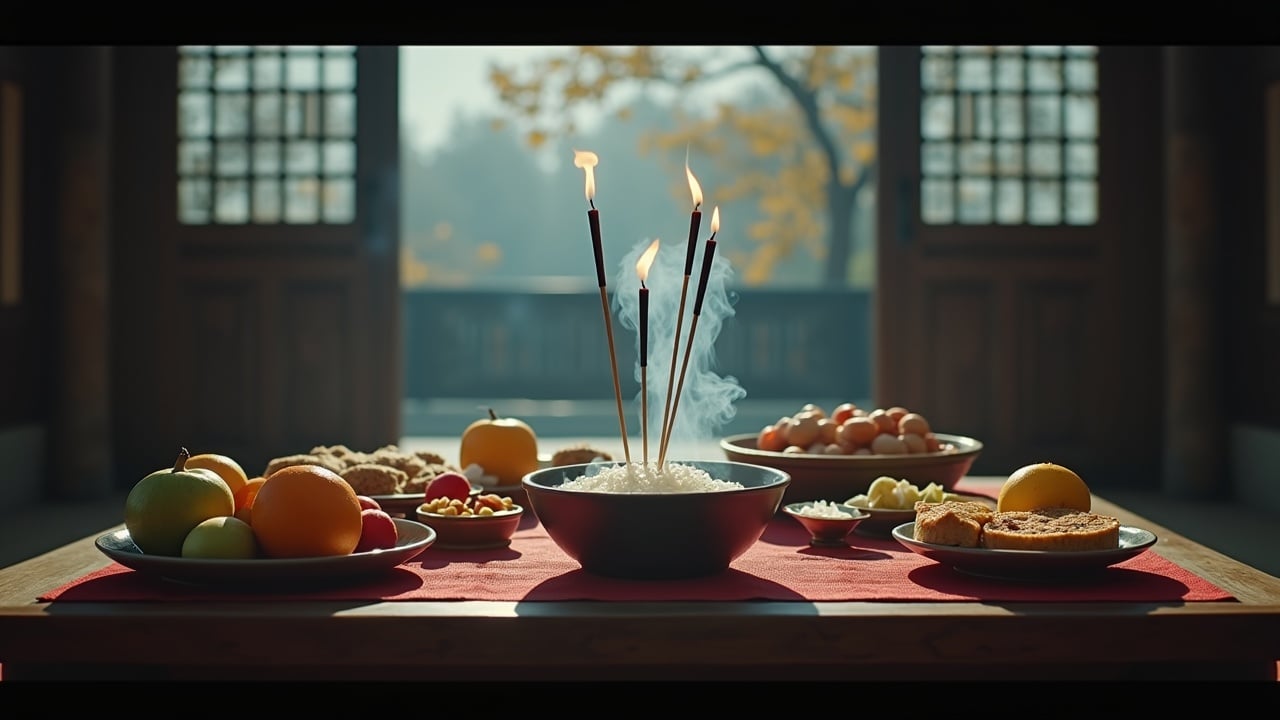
(646, 640)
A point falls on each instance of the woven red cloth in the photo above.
(780, 566)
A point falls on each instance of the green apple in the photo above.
(164, 506)
(224, 537)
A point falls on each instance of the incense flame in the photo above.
(587, 160)
(694, 188)
(646, 260)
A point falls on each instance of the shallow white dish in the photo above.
(414, 537)
(882, 521)
(1040, 565)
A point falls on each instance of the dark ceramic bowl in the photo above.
(472, 532)
(827, 531)
(656, 535)
(836, 478)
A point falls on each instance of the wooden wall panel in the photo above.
(960, 356)
(223, 331)
(26, 254)
(1057, 332)
(317, 345)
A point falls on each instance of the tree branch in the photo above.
(678, 78)
(807, 101)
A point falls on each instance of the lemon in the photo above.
(164, 506)
(221, 537)
(1043, 485)
(226, 468)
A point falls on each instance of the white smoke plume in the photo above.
(706, 401)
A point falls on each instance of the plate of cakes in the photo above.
(1041, 529)
(396, 478)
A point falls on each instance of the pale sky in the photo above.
(437, 79)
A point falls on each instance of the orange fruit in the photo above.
(248, 492)
(226, 468)
(306, 511)
(1043, 485)
(245, 496)
(506, 447)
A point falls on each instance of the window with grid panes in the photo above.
(1009, 135)
(266, 134)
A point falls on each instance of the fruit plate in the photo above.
(836, 478)
(414, 537)
(405, 504)
(1024, 565)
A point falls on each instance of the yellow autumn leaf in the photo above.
(844, 81)
(864, 151)
(489, 253)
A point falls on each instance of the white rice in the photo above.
(640, 478)
(823, 509)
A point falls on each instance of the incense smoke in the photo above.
(706, 399)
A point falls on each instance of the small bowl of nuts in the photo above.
(485, 521)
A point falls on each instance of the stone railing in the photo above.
(548, 343)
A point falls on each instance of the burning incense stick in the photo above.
(642, 269)
(695, 219)
(587, 161)
(708, 254)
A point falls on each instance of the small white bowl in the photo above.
(826, 531)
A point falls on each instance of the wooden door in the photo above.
(1018, 298)
(256, 234)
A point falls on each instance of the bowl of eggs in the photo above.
(834, 456)
(642, 521)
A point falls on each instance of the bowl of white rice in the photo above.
(629, 520)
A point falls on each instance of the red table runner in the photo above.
(781, 566)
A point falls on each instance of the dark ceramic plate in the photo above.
(1039, 565)
(406, 504)
(414, 537)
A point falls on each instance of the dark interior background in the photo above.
(40, 419)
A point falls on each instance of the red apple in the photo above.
(368, 503)
(377, 531)
(452, 485)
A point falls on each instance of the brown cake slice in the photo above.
(954, 522)
(1058, 529)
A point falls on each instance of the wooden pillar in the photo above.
(1195, 463)
(80, 446)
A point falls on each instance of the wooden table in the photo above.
(643, 640)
